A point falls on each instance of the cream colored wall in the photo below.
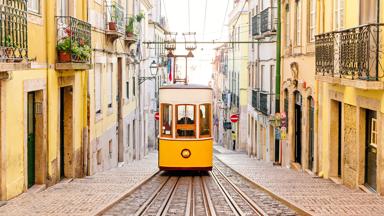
(243, 54)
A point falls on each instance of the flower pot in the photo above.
(64, 57)
(9, 54)
(112, 26)
(129, 34)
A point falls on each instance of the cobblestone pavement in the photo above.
(315, 195)
(83, 196)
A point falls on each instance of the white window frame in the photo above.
(338, 14)
(34, 6)
(109, 84)
(298, 23)
(312, 19)
(98, 87)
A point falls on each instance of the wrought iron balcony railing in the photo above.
(262, 101)
(265, 21)
(13, 31)
(268, 20)
(353, 53)
(73, 40)
(256, 25)
(115, 18)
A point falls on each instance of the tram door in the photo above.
(298, 127)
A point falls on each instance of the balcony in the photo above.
(13, 36)
(262, 101)
(351, 57)
(131, 30)
(73, 44)
(265, 23)
(115, 21)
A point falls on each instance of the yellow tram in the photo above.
(185, 123)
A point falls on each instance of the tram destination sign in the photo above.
(234, 118)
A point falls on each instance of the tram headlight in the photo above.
(185, 153)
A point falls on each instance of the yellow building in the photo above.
(298, 86)
(349, 73)
(43, 97)
(238, 27)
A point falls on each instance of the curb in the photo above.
(300, 210)
(126, 193)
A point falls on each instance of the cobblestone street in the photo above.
(85, 196)
(313, 194)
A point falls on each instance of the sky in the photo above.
(208, 18)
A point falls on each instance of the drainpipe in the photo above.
(278, 55)
(378, 39)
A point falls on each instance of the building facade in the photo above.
(349, 77)
(238, 27)
(69, 89)
(298, 99)
(262, 79)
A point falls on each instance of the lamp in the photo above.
(153, 68)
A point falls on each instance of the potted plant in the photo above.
(140, 17)
(9, 47)
(64, 49)
(112, 25)
(129, 28)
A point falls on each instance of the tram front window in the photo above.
(205, 120)
(166, 120)
(185, 121)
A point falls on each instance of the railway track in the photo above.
(219, 192)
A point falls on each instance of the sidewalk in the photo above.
(84, 196)
(315, 195)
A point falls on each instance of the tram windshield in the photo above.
(185, 121)
(166, 121)
(205, 120)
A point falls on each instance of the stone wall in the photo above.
(350, 153)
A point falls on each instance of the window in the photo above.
(62, 7)
(287, 27)
(34, 6)
(374, 132)
(312, 20)
(338, 19)
(166, 120)
(128, 135)
(298, 23)
(127, 82)
(98, 88)
(205, 120)
(109, 84)
(185, 121)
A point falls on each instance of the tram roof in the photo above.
(183, 86)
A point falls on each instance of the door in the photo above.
(339, 138)
(311, 134)
(298, 128)
(120, 157)
(134, 139)
(31, 139)
(371, 150)
(66, 131)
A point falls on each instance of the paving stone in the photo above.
(316, 195)
(82, 196)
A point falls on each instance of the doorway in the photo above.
(311, 145)
(120, 145)
(66, 131)
(35, 139)
(371, 134)
(134, 139)
(298, 114)
(31, 149)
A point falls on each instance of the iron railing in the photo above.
(353, 53)
(13, 31)
(268, 20)
(256, 25)
(262, 101)
(73, 40)
(115, 18)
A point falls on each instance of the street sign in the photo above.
(227, 125)
(157, 115)
(234, 118)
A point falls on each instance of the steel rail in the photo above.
(209, 208)
(242, 194)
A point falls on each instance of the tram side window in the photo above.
(166, 124)
(186, 121)
(205, 120)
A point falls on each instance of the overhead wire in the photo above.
(225, 16)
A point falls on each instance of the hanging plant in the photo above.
(140, 17)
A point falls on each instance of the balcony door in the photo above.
(368, 11)
(63, 8)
